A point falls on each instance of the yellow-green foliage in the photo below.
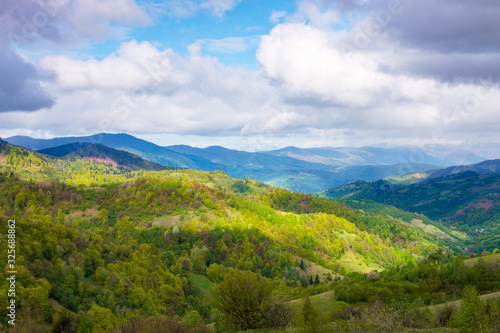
(92, 248)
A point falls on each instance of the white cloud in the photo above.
(219, 7)
(68, 21)
(314, 15)
(141, 89)
(95, 18)
(352, 91)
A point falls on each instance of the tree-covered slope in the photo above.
(40, 167)
(138, 250)
(63, 150)
(129, 247)
(467, 200)
(102, 154)
(451, 236)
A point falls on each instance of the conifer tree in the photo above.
(310, 317)
(472, 315)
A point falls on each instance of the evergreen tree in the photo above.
(310, 317)
(472, 315)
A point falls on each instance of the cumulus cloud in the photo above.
(358, 90)
(19, 86)
(426, 32)
(277, 15)
(143, 89)
(314, 15)
(67, 21)
(29, 22)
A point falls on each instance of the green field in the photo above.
(489, 259)
(200, 281)
(324, 302)
(354, 262)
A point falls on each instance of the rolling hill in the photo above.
(291, 173)
(465, 200)
(108, 250)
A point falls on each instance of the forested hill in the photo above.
(39, 167)
(120, 249)
(146, 251)
(467, 200)
(99, 153)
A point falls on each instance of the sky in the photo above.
(252, 74)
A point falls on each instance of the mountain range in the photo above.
(299, 169)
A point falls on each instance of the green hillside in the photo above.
(150, 251)
(467, 201)
(451, 237)
(81, 240)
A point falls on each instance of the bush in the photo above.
(444, 314)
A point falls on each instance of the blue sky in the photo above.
(253, 74)
(246, 22)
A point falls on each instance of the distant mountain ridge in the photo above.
(482, 168)
(143, 148)
(306, 170)
(345, 156)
